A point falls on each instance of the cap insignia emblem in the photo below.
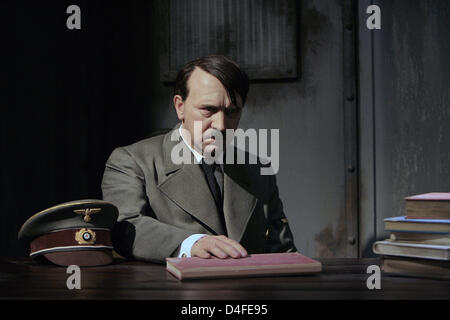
(87, 213)
(85, 236)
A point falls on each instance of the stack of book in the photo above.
(419, 243)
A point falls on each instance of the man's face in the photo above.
(209, 104)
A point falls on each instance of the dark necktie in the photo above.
(214, 177)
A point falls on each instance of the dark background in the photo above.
(71, 97)
(376, 101)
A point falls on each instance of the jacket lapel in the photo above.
(239, 203)
(186, 185)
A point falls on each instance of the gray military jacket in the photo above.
(161, 203)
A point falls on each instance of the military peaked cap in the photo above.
(76, 232)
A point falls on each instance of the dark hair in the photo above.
(226, 71)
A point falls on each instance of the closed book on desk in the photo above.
(435, 205)
(402, 223)
(421, 237)
(416, 267)
(403, 249)
(270, 264)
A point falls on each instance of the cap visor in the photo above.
(82, 258)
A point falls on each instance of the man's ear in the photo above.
(179, 106)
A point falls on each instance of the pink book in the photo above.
(433, 205)
(441, 196)
(269, 264)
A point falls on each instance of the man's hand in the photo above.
(218, 246)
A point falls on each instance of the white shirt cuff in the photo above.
(186, 245)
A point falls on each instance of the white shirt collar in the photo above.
(197, 155)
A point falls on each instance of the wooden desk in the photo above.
(341, 279)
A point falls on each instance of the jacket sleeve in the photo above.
(279, 237)
(137, 234)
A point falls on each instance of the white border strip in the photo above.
(69, 247)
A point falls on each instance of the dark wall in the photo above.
(70, 97)
(404, 110)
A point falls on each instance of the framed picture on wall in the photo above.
(260, 35)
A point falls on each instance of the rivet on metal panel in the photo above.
(351, 240)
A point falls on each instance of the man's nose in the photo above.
(219, 121)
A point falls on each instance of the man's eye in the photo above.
(208, 109)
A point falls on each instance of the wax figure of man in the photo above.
(168, 208)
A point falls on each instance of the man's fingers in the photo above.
(200, 252)
(218, 246)
(236, 245)
(218, 252)
(229, 249)
(203, 254)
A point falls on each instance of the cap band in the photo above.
(71, 239)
